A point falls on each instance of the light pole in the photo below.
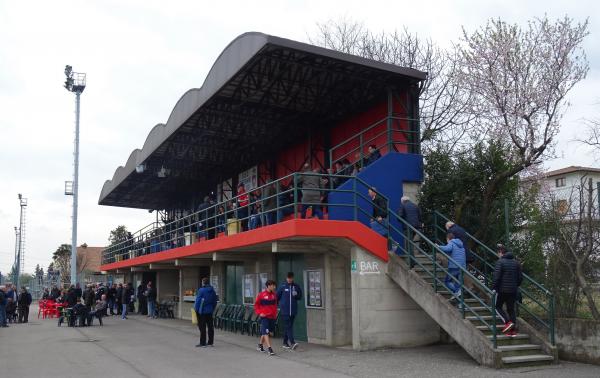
(75, 82)
(15, 279)
(20, 240)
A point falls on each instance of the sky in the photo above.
(142, 56)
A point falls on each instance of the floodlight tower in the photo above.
(75, 82)
(21, 241)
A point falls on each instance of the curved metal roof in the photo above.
(234, 92)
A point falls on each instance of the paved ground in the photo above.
(141, 347)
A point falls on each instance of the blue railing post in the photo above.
(295, 196)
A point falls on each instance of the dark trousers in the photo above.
(508, 299)
(23, 314)
(288, 333)
(206, 321)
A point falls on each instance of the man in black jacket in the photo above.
(23, 303)
(379, 217)
(460, 233)
(507, 279)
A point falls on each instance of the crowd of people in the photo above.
(14, 306)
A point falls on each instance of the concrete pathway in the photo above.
(142, 347)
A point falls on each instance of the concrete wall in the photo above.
(189, 280)
(578, 340)
(383, 315)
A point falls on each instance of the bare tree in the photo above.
(576, 241)
(592, 135)
(520, 78)
(443, 101)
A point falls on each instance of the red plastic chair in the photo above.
(41, 307)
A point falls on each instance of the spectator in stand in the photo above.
(151, 298)
(221, 219)
(206, 301)
(460, 233)
(288, 295)
(380, 214)
(265, 307)
(311, 185)
(373, 155)
(118, 299)
(269, 203)
(347, 167)
(359, 163)
(255, 211)
(210, 217)
(242, 206)
(508, 276)
(46, 294)
(78, 292)
(142, 303)
(3, 302)
(111, 296)
(454, 248)
(412, 215)
(285, 202)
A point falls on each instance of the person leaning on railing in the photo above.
(311, 191)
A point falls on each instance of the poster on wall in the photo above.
(214, 282)
(313, 279)
(249, 178)
(249, 288)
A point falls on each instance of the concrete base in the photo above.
(383, 315)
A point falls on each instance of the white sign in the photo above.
(249, 178)
(368, 267)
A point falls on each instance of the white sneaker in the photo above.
(456, 295)
(294, 346)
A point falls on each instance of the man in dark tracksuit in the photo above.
(507, 279)
(288, 295)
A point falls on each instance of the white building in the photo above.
(563, 186)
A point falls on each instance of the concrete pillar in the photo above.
(383, 315)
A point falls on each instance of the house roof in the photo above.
(571, 169)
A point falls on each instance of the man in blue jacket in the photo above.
(206, 301)
(456, 251)
(288, 295)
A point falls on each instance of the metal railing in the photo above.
(386, 134)
(532, 291)
(278, 201)
(425, 250)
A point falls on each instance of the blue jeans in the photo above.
(288, 332)
(380, 227)
(124, 313)
(2, 315)
(254, 221)
(151, 307)
(452, 285)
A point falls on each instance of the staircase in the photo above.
(470, 319)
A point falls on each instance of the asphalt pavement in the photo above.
(143, 347)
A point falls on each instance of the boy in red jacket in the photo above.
(265, 306)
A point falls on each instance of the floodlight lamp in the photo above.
(140, 168)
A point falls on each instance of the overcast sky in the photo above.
(141, 56)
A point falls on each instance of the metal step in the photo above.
(527, 360)
(520, 350)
